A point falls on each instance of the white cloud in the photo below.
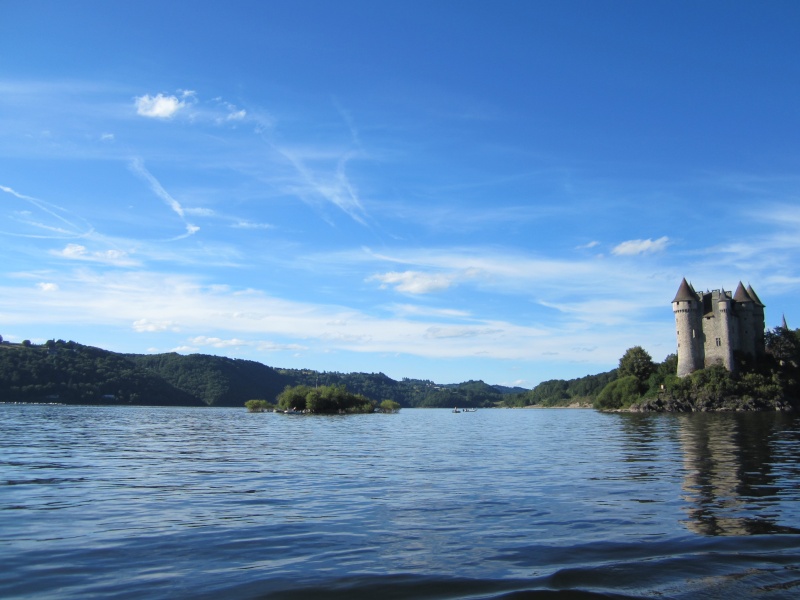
(588, 246)
(112, 256)
(216, 342)
(423, 311)
(459, 332)
(159, 106)
(414, 282)
(47, 287)
(251, 225)
(633, 247)
(185, 349)
(151, 326)
(74, 251)
(200, 212)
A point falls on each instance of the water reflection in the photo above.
(735, 472)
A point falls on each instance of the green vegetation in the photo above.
(389, 406)
(69, 373)
(771, 383)
(560, 392)
(258, 406)
(636, 362)
(620, 393)
(214, 380)
(326, 399)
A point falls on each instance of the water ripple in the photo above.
(162, 502)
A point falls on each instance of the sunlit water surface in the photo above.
(112, 502)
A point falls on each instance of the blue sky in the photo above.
(506, 191)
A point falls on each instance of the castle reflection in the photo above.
(734, 470)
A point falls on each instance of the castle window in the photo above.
(719, 342)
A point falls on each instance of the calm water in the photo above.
(207, 503)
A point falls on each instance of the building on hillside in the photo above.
(712, 326)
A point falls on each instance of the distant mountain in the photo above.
(72, 373)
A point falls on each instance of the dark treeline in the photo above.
(68, 372)
(71, 373)
(564, 392)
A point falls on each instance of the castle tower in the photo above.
(688, 310)
(745, 309)
(725, 331)
(758, 321)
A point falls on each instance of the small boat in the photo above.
(470, 410)
(455, 410)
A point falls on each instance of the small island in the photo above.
(326, 399)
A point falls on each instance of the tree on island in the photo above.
(258, 406)
(325, 399)
(389, 406)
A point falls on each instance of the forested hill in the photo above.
(68, 372)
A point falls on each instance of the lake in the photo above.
(132, 502)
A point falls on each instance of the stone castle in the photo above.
(712, 326)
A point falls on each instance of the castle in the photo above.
(712, 326)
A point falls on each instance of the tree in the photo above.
(620, 393)
(294, 398)
(389, 406)
(783, 344)
(257, 405)
(636, 362)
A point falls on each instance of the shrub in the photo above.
(258, 405)
(389, 406)
(620, 393)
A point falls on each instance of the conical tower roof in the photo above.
(741, 294)
(752, 293)
(685, 293)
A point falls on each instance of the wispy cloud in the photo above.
(111, 257)
(334, 188)
(47, 220)
(589, 246)
(414, 282)
(634, 247)
(151, 326)
(137, 166)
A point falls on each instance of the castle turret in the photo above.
(688, 312)
(758, 321)
(725, 331)
(745, 309)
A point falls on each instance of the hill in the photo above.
(68, 372)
